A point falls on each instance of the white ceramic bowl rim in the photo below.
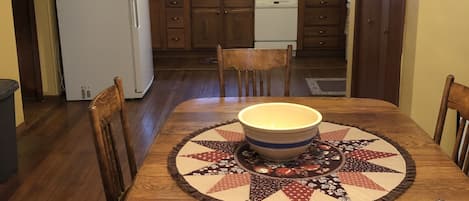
(318, 120)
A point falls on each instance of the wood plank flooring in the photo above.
(57, 160)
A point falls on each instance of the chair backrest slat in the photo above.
(464, 142)
(113, 159)
(251, 63)
(457, 146)
(246, 81)
(269, 81)
(254, 83)
(240, 83)
(102, 109)
(455, 96)
(261, 83)
(466, 158)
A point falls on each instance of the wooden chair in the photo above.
(105, 105)
(455, 96)
(252, 64)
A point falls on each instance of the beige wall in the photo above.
(8, 59)
(48, 45)
(408, 56)
(436, 44)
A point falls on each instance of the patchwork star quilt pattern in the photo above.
(346, 163)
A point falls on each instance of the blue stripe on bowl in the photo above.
(278, 146)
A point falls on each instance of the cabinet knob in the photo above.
(323, 2)
(226, 12)
(322, 17)
(174, 2)
(175, 39)
(322, 43)
(322, 31)
(175, 18)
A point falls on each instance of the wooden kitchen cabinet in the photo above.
(238, 27)
(206, 27)
(321, 26)
(226, 22)
(170, 24)
(201, 24)
(156, 23)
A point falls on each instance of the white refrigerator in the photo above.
(101, 39)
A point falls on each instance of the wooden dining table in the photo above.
(437, 176)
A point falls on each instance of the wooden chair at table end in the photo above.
(251, 64)
(455, 96)
(106, 104)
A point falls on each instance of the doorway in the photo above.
(379, 27)
(27, 49)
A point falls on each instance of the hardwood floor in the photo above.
(206, 61)
(57, 160)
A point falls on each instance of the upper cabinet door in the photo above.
(206, 27)
(238, 27)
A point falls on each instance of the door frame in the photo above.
(32, 33)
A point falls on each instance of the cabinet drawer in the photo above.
(322, 16)
(322, 42)
(175, 3)
(322, 31)
(176, 38)
(322, 3)
(239, 3)
(175, 17)
(205, 3)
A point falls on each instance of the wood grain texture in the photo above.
(377, 49)
(437, 176)
(455, 96)
(228, 22)
(102, 108)
(315, 19)
(252, 64)
(156, 23)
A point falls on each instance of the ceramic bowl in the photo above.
(279, 131)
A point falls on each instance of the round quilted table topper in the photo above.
(346, 163)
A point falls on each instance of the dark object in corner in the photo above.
(8, 152)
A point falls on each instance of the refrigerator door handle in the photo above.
(135, 13)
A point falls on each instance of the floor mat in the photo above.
(326, 86)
